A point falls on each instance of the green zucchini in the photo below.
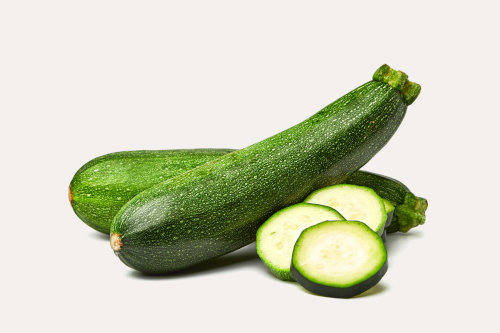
(102, 186)
(338, 258)
(96, 196)
(217, 207)
(409, 209)
(354, 202)
(276, 236)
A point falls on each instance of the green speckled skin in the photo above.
(103, 185)
(217, 207)
(125, 174)
(409, 209)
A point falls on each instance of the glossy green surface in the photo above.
(217, 207)
(409, 209)
(103, 185)
(98, 196)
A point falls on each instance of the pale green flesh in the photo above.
(277, 236)
(340, 254)
(354, 202)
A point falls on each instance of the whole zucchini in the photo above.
(409, 209)
(217, 207)
(103, 185)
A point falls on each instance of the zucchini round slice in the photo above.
(409, 211)
(354, 202)
(276, 237)
(384, 235)
(389, 209)
(338, 258)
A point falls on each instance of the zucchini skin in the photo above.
(131, 172)
(217, 207)
(336, 291)
(409, 209)
(103, 185)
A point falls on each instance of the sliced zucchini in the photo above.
(410, 209)
(276, 237)
(354, 202)
(389, 209)
(338, 258)
(384, 235)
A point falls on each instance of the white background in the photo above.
(79, 79)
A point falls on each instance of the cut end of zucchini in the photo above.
(398, 80)
(421, 205)
(70, 195)
(116, 242)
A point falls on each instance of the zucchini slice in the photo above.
(409, 209)
(389, 209)
(338, 258)
(276, 237)
(354, 202)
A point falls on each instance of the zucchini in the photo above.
(389, 209)
(354, 203)
(96, 196)
(217, 207)
(339, 258)
(102, 186)
(409, 209)
(276, 237)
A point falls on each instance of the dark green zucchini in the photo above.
(409, 209)
(217, 207)
(96, 196)
(102, 186)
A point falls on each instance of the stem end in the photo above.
(398, 80)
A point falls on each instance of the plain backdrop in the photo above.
(79, 79)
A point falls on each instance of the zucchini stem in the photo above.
(398, 80)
